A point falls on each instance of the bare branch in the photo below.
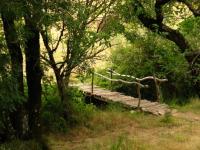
(60, 37)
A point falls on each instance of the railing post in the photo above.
(111, 76)
(157, 85)
(92, 84)
(139, 95)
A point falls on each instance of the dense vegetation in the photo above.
(42, 42)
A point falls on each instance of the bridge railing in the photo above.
(137, 82)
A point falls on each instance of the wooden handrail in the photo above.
(137, 82)
(120, 80)
(138, 79)
(157, 81)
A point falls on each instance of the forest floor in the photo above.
(115, 129)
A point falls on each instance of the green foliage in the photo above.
(88, 27)
(148, 56)
(190, 29)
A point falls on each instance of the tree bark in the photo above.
(34, 74)
(17, 68)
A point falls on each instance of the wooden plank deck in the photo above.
(128, 101)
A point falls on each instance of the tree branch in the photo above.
(156, 25)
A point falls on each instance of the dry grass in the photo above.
(124, 130)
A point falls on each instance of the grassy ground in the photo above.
(117, 129)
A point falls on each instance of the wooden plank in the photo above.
(128, 101)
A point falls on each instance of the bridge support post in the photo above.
(92, 83)
(111, 76)
(157, 84)
(139, 95)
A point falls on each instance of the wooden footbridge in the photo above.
(109, 96)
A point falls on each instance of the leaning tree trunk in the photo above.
(17, 69)
(33, 72)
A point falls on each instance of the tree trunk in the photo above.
(17, 68)
(62, 85)
(61, 88)
(33, 72)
